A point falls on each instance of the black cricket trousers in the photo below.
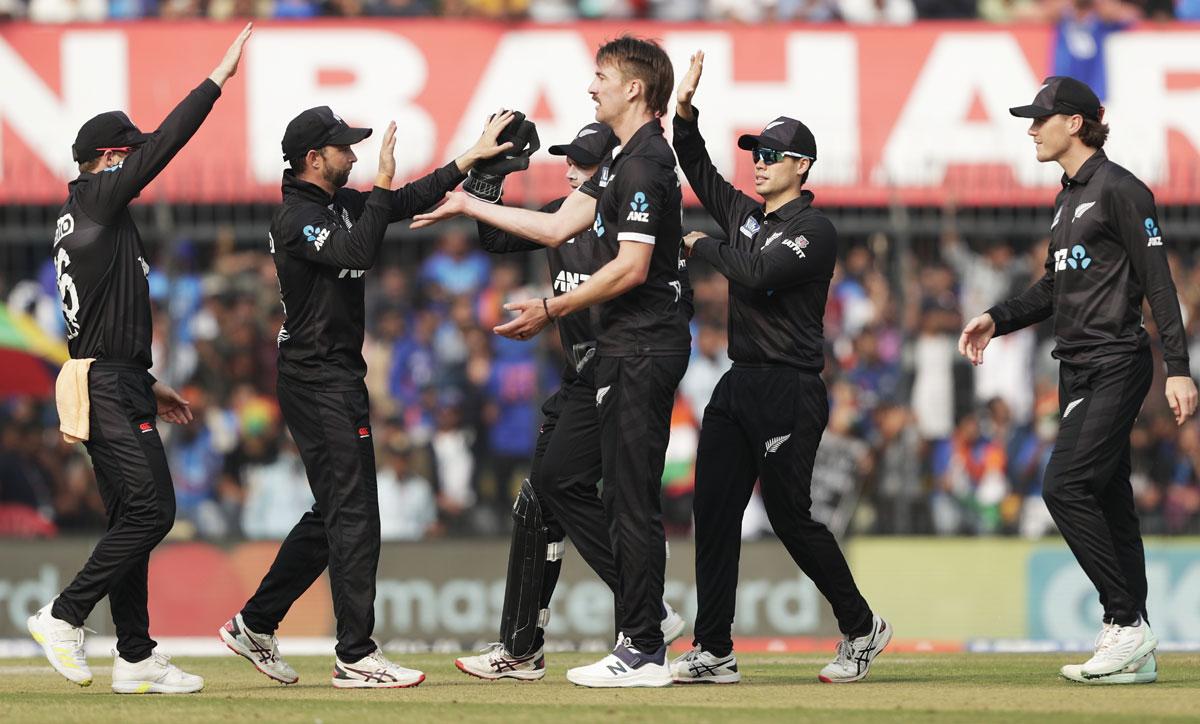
(1087, 486)
(135, 484)
(764, 423)
(332, 430)
(635, 397)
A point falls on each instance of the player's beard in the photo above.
(336, 177)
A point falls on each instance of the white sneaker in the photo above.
(673, 624)
(154, 675)
(1142, 671)
(700, 667)
(62, 644)
(374, 671)
(854, 656)
(259, 649)
(496, 663)
(624, 667)
(1118, 647)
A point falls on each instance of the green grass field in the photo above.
(775, 687)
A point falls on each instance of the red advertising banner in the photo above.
(915, 114)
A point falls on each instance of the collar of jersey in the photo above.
(304, 189)
(1086, 171)
(793, 207)
(648, 130)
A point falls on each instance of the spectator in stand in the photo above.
(1082, 29)
(407, 505)
(457, 267)
(68, 11)
(709, 363)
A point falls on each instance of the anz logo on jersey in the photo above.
(1076, 258)
(569, 281)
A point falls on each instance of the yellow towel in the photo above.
(71, 397)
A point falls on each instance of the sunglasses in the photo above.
(770, 156)
(119, 149)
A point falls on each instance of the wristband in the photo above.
(546, 307)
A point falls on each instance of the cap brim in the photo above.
(576, 154)
(749, 142)
(347, 136)
(1031, 111)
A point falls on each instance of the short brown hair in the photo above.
(1093, 133)
(645, 60)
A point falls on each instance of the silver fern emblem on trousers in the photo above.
(773, 444)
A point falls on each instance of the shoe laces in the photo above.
(845, 651)
(495, 651)
(379, 659)
(163, 661)
(1108, 638)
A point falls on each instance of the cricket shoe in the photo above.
(673, 624)
(854, 655)
(700, 667)
(624, 667)
(496, 663)
(1142, 671)
(374, 671)
(153, 675)
(1118, 647)
(259, 649)
(62, 644)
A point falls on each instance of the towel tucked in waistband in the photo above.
(71, 398)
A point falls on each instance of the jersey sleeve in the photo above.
(1132, 208)
(640, 194)
(312, 235)
(728, 206)
(786, 262)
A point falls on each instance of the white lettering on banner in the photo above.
(1140, 109)
(933, 131)
(471, 606)
(95, 77)
(25, 597)
(1071, 610)
(554, 65)
(729, 107)
(388, 71)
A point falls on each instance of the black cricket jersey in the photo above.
(323, 246)
(638, 200)
(779, 265)
(571, 264)
(1106, 254)
(98, 255)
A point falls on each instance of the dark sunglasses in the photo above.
(120, 149)
(770, 156)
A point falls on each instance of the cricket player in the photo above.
(324, 238)
(102, 276)
(1106, 255)
(633, 203)
(768, 412)
(561, 497)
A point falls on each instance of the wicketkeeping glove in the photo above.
(486, 180)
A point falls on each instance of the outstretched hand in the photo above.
(387, 157)
(455, 204)
(172, 407)
(531, 320)
(229, 64)
(687, 86)
(486, 147)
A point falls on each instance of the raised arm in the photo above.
(728, 206)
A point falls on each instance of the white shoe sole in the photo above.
(675, 631)
(356, 684)
(887, 639)
(236, 647)
(48, 652)
(1141, 652)
(151, 687)
(496, 676)
(721, 679)
(637, 680)
(1072, 673)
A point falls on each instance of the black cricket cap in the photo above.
(107, 130)
(1061, 94)
(316, 128)
(590, 146)
(783, 134)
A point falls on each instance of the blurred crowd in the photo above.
(886, 12)
(918, 441)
